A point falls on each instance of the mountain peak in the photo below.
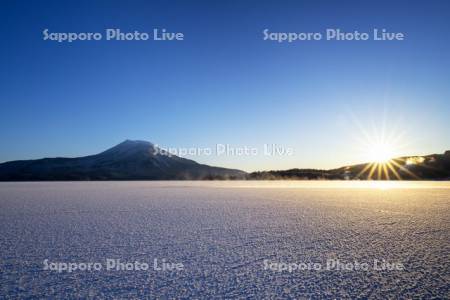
(128, 144)
(135, 142)
(129, 147)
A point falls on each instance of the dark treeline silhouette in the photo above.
(429, 167)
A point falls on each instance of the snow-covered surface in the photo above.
(222, 232)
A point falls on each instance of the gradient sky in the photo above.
(223, 83)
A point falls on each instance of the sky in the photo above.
(224, 84)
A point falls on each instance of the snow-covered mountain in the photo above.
(129, 160)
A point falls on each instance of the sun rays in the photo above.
(382, 148)
(391, 169)
(382, 164)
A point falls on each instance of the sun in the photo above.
(383, 162)
(380, 149)
(380, 153)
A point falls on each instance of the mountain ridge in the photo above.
(414, 167)
(129, 160)
(142, 160)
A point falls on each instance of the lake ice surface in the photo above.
(222, 232)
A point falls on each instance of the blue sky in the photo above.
(224, 84)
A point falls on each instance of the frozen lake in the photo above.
(229, 239)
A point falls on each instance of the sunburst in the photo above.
(379, 149)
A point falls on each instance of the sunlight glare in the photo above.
(380, 153)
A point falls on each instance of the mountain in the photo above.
(141, 160)
(129, 160)
(429, 167)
